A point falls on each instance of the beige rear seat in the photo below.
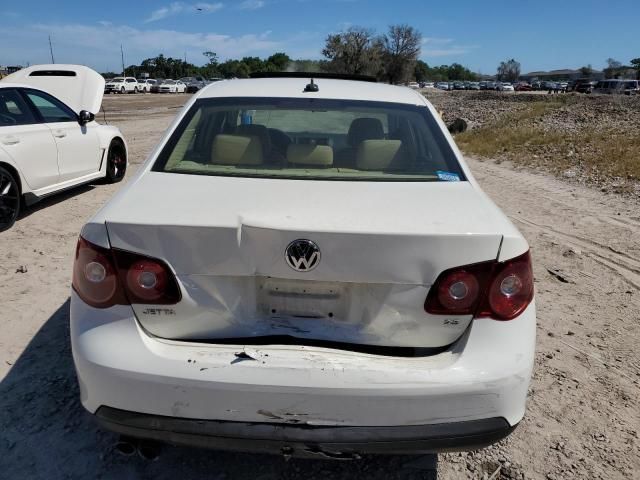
(316, 155)
(377, 154)
(236, 150)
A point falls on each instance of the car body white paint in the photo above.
(55, 156)
(134, 358)
(144, 86)
(122, 85)
(172, 86)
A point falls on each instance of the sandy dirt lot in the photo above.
(583, 418)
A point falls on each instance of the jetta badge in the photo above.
(302, 255)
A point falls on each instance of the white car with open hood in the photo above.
(49, 139)
(305, 267)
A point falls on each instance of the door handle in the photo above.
(59, 134)
(10, 140)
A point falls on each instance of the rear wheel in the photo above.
(122, 90)
(135, 90)
(9, 199)
(116, 162)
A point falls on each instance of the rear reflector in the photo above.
(103, 278)
(488, 289)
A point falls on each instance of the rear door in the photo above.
(78, 146)
(28, 143)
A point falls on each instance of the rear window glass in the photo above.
(310, 139)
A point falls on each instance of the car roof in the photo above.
(327, 89)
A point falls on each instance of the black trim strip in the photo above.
(306, 440)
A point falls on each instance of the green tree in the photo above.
(586, 71)
(509, 70)
(212, 57)
(400, 51)
(613, 68)
(278, 62)
(355, 51)
(421, 71)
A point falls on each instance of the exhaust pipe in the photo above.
(149, 451)
(125, 446)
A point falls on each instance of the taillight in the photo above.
(103, 278)
(488, 289)
(145, 279)
(95, 277)
(511, 289)
(458, 291)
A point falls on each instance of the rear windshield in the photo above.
(310, 139)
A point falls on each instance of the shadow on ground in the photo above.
(52, 200)
(45, 433)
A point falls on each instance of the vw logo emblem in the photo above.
(302, 255)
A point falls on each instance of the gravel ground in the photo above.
(583, 417)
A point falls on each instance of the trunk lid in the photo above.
(382, 245)
(79, 87)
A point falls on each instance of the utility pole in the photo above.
(51, 50)
(122, 58)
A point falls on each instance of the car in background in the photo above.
(146, 84)
(172, 86)
(523, 87)
(458, 85)
(427, 85)
(632, 87)
(155, 88)
(585, 86)
(474, 86)
(491, 85)
(234, 296)
(414, 85)
(444, 86)
(121, 85)
(618, 87)
(194, 83)
(49, 139)
(504, 87)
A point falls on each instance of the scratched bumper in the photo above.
(484, 375)
(305, 441)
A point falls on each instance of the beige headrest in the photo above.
(319, 155)
(236, 150)
(377, 154)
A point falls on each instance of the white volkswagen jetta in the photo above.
(307, 268)
(49, 139)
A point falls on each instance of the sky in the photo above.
(540, 35)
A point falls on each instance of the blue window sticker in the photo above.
(448, 176)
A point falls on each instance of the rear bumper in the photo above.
(305, 441)
(295, 389)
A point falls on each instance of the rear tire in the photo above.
(116, 162)
(122, 91)
(9, 199)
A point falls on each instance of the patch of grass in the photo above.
(611, 152)
(506, 140)
(525, 137)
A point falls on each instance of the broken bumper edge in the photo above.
(305, 440)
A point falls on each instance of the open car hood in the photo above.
(80, 87)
